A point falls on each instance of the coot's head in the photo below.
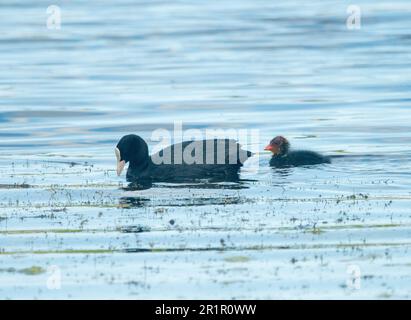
(131, 148)
(278, 146)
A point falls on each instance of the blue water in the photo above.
(290, 68)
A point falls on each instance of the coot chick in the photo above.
(283, 157)
(215, 160)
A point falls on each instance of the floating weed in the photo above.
(316, 231)
(32, 271)
(160, 210)
(354, 245)
(357, 196)
(15, 186)
(9, 270)
(307, 136)
(397, 265)
(67, 251)
(156, 250)
(199, 202)
(237, 259)
(385, 295)
(142, 228)
(133, 229)
(11, 232)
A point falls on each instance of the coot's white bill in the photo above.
(120, 163)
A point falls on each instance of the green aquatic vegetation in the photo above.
(143, 228)
(31, 271)
(307, 136)
(8, 270)
(237, 259)
(77, 251)
(316, 230)
(66, 251)
(357, 196)
(230, 282)
(158, 250)
(15, 186)
(385, 295)
(14, 232)
(63, 205)
(364, 226)
(160, 210)
(199, 202)
(203, 249)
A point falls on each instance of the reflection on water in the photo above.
(138, 202)
(133, 202)
(283, 172)
(140, 185)
(241, 184)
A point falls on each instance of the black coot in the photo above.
(215, 160)
(283, 157)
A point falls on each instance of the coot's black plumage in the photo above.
(283, 157)
(213, 160)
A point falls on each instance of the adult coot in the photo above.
(283, 157)
(215, 160)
